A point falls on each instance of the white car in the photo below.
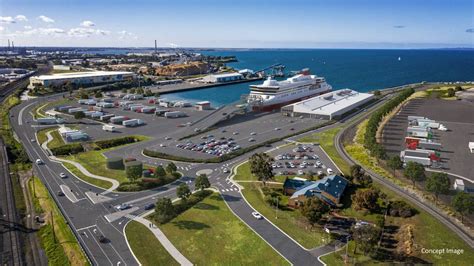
(226, 170)
(257, 215)
(253, 133)
(277, 128)
(33, 140)
(62, 175)
(122, 206)
(300, 172)
(330, 171)
(167, 138)
(162, 145)
(39, 162)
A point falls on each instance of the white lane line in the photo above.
(20, 114)
(95, 240)
(87, 227)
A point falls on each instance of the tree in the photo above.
(148, 93)
(364, 180)
(261, 166)
(133, 170)
(160, 171)
(458, 88)
(438, 183)
(356, 171)
(450, 92)
(183, 192)
(313, 210)
(377, 93)
(164, 210)
(365, 236)
(79, 115)
(98, 94)
(463, 203)
(414, 172)
(366, 199)
(171, 168)
(124, 90)
(139, 91)
(202, 182)
(132, 90)
(395, 163)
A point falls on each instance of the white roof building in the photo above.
(226, 77)
(91, 77)
(329, 105)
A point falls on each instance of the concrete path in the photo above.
(172, 250)
(115, 183)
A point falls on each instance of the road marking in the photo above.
(87, 227)
(20, 114)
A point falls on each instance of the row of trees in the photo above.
(140, 90)
(370, 142)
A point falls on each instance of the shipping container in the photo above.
(174, 114)
(420, 134)
(106, 117)
(428, 145)
(418, 129)
(428, 124)
(148, 110)
(135, 107)
(118, 119)
(160, 112)
(421, 160)
(132, 122)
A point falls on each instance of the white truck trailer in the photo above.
(175, 114)
(132, 122)
(109, 128)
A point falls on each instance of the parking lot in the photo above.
(236, 133)
(457, 116)
(154, 126)
(302, 160)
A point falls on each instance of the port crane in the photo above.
(276, 70)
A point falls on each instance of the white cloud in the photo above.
(46, 19)
(44, 31)
(7, 20)
(2, 28)
(86, 32)
(126, 35)
(21, 18)
(87, 23)
(27, 27)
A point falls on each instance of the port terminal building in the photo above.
(332, 105)
(81, 78)
(219, 78)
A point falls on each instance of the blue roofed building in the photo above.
(329, 189)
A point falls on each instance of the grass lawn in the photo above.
(442, 92)
(210, 234)
(326, 140)
(95, 162)
(65, 250)
(97, 182)
(152, 253)
(243, 174)
(57, 139)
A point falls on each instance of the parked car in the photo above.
(257, 215)
(330, 171)
(300, 172)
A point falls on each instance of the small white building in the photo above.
(204, 105)
(220, 78)
(459, 185)
(61, 67)
(332, 105)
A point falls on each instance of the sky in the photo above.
(239, 23)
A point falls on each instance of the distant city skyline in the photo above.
(239, 24)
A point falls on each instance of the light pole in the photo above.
(276, 209)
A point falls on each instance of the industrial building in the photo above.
(329, 106)
(219, 78)
(81, 78)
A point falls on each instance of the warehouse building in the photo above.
(329, 106)
(219, 78)
(81, 78)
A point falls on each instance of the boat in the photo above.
(273, 94)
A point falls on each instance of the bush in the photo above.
(109, 143)
(133, 170)
(115, 163)
(450, 92)
(370, 142)
(401, 209)
(67, 149)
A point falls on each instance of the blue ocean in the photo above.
(361, 70)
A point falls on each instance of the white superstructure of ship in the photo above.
(272, 94)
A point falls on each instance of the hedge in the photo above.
(229, 156)
(148, 183)
(67, 149)
(109, 143)
(370, 141)
(115, 163)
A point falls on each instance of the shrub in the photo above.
(400, 209)
(67, 149)
(133, 170)
(115, 163)
(109, 143)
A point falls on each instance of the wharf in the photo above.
(187, 86)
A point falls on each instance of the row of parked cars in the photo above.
(210, 145)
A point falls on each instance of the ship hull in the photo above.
(271, 107)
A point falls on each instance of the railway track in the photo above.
(434, 211)
(11, 253)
